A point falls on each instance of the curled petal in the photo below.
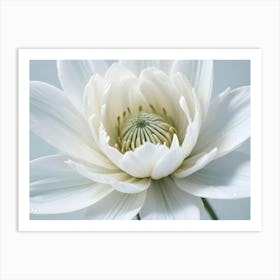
(193, 129)
(112, 153)
(200, 75)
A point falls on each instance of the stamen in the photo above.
(138, 142)
(132, 146)
(127, 147)
(144, 127)
(172, 130)
(119, 123)
(152, 107)
(123, 146)
(169, 137)
(156, 139)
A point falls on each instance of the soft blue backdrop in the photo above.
(227, 73)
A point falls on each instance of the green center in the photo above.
(141, 123)
(145, 127)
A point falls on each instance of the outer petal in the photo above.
(195, 163)
(225, 178)
(116, 178)
(200, 75)
(56, 188)
(165, 201)
(117, 206)
(227, 124)
(136, 66)
(74, 75)
(55, 119)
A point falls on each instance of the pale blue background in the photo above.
(227, 73)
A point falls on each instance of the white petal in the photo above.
(227, 124)
(200, 75)
(93, 95)
(57, 188)
(117, 206)
(94, 123)
(122, 98)
(193, 128)
(225, 178)
(165, 201)
(55, 120)
(119, 180)
(136, 66)
(186, 90)
(141, 162)
(118, 73)
(74, 75)
(138, 163)
(191, 106)
(93, 98)
(159, 91)
(112, 153)
(168, 162)
(195, 163)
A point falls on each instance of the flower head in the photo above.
(138, 137)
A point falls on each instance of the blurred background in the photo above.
(227, 73)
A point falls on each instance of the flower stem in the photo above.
(209, 209)
(138, 217)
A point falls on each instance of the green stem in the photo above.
(138, 217)
(209, 209)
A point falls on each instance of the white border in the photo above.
(25, 55)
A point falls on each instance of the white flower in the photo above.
(138, 137)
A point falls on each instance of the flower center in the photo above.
(142, 128)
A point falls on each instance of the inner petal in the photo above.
(141, 128)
